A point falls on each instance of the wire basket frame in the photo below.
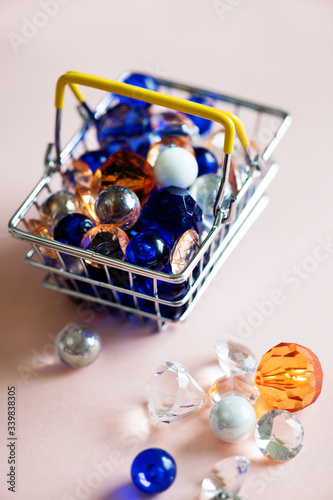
(171, 298)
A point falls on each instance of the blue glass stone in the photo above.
(71, 228)
(139, 80)
(206, 161)
(171, 312)
(148, 249)
(94, 159)
(203, 124)
(153, 470)
(122, 122)
(171, 211)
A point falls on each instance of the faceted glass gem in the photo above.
(168, 141)
(184, 250)
(107, 240)
(122, 121)
(85, 201)
(38, 228)
(126, 169)
(148, 249)
(139, 80)
(279, 435)
(78, 174)
(71, 228)
(232, 419)
(78, 345)
(289, 377)
(57, 205)
(207, 162)
(119, 206)
(240, 385)
(175, 167)
(227, 477)
(153, 470)
(235, 358)
(203, 124)
(205, 190)
(173, 123)
(171, 212)
(94, 159)
(173, 393)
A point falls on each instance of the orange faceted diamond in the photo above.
(289, 377)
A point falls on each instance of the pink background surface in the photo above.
(78, 431)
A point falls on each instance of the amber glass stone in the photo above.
(37, 227)
(169, 141)
(126, 169)
(85, 201)
(289, 377)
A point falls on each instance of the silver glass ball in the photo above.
(78, 345)
(119, 206)
(57, 205)
(232, 419)
(205, 189)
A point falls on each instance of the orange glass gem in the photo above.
(289, 377)
(127, 169)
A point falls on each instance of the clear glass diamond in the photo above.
(235, 358)
(239, 385)
(173, 393)
(226, 478)
(279, 435)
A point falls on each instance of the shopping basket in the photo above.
(267, 126)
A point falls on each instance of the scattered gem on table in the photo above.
(235, 358)
(184, 250)
(71, 228)
(241, 384)
(289, 377)
(126, 169)
(107, 240)
(148, 249)
(232, 419)
(78, 345)
(279, 435)
(119, 206)
(173, 393)
(56, 205)
(153, 470)
(175, 167)
(226, 478)
(207, 162)
(171, 212)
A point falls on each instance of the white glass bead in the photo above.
(232, 419)
(176, 167)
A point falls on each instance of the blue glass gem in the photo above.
(153, 470)
(121, 121)
(203, 124)
(206, 161)
(171, 211)
(139, 80)
(71, 228)
(94, 159)
(148, 249)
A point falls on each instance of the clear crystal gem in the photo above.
(173, 393)
(226, 478)
(183, 251)
(235, 358)
(238, 384)
(279, 435)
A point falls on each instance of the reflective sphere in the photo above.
(232, 419)
(95, 158)
(153, 470)
(205, 190)
(148, 250)
(71, 228)
(139, 80)
(207, 162)
(57, 205)
(107, 240)
(78, 345)
(176, 167)
(118, 205)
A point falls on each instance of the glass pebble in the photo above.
(240, 385)
(78, 174)
(94, 159)
(148, 249)
(226, 478)
(235, 358)
(205, 190)
(107, 240)
(232, 419)
(184, 250)
(168, 141)
(78, 345)
(71, 228)
(153, 470)
(207, 162)
(119, 206)
(175, 167)
(85, 201)
(56, 205)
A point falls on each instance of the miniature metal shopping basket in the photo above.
(267, 126)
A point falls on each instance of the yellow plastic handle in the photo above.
(228, 120)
